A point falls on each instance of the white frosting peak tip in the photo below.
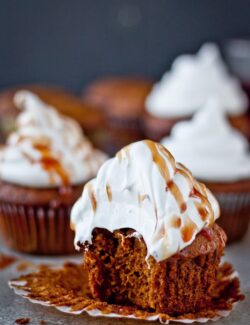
(192, 80)
(208, 145)
(144, 189)
(47, 149)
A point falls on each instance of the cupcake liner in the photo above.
(64, 288)
(37, 229)
(235, 213)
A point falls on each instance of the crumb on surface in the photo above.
(42, 322)
(22, 321)
(6, 261)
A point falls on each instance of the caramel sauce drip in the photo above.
(188, 230)
(91, 196)
(200, 193)
(158, 159)
(202, 211)
(120, 153)
(51, 164)
(72, 226)
(175, 222)
(177, 195)
(142, 197)
(109, 192)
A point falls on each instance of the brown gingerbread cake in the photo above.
(119, 273)
(148, 233)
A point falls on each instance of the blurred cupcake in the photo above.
(183, 90)
(62, 100)
(218, 155)
(43, 168)
(122, 102)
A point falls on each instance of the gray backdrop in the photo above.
(70, 42)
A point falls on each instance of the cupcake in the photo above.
(185, 89)
(121, 100)
(218, 155)
(65, 102)
(43, 167)
(148, 233)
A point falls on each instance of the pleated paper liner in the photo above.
(235, 214)
(37, 229)
(65, 288)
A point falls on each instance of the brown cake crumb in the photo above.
(42, 322)
(6, 261)
(23, 266)
(22, 321)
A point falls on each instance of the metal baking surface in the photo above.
(13, 307)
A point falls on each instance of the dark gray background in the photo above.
(70, 42)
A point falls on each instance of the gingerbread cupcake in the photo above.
(65, 102)
(218, 155)
(185, 89)
(148, 233)
(43, 167)
(122, 102)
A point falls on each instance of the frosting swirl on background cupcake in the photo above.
(47, 149)
(210, 147)
(144, 189)
(192, 80)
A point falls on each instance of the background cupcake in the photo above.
(43, 168)
(218, 155)
(122, 102)
(65, 102)
(183, 90)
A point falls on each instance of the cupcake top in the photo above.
(144, 189)
(47, 149)
(208, 145)
(192, 80)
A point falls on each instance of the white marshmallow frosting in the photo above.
(210, 147)
(144, 189)
(192, 80)
(47, 149)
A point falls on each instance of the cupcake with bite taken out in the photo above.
(148, 233)
(185, 89)
(43, 167)
(218, 155)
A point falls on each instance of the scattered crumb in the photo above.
(22, 321)
(42, 322)
(6, 261)
(23, 266)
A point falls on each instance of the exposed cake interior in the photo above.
(148, 233)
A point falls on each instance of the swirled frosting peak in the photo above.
(145, 189)
(47, 149)
(192, 80)
(210, 146)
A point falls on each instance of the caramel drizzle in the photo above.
(51, 164)
(175, 222)
(200, 193)
(109, 192)
(158, 160)
(142, 197)
(125, 151)
(92, 197)
(177, 195)
(164, 171)
(188, 230)
(198, 189)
